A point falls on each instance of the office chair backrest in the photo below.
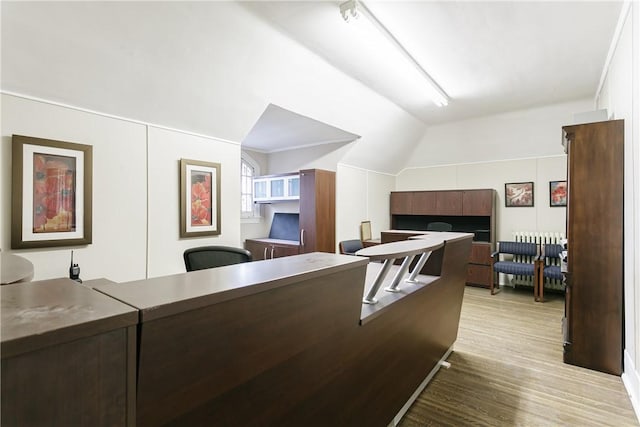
(350, 247)
(214, 256)
(439, 226)
(365, 231)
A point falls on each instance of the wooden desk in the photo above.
(68, 356)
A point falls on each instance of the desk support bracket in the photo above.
(370, 298)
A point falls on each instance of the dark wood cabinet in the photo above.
(594, 292)
(317, 211)
(448, 203)
(317, 220)
(478, 202)
(401, 202)
(471, 211)
(270, 248)
(422, 203)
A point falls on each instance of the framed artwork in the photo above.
(518, 194)
(557, 193)
(199, 198)
(50, 193)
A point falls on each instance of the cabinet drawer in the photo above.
(480, 253)
(479, 274)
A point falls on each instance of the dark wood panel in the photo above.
(479, 275)
(480, 253)
(478, 202)
(317, 211)
(84, 382)
(235, 341)
(595, 243)
(401, 202)
(423, 203)
(449, 203)
(284, 250)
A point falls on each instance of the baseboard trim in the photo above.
(421, 387)
(631, 381)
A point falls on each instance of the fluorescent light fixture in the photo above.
(354, 9)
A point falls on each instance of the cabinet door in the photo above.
(477, 202)
(317, 211)
(280, 251)
(401, 203)
(449, 203)
(480, 253)
(259, 250)
(479, 275)
(423, 203)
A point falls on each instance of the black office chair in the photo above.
(214, 256)
(439, 226)
(350, 247)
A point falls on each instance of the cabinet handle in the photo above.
(272, 250)
(265, 253)
(302, 237)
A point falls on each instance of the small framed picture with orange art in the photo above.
(199, 198)
(557, 193)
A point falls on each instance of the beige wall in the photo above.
(135, 190)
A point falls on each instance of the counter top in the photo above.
(165, 296)
(47, 312)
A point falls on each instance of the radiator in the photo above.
(540, 238)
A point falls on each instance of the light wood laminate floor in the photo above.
(507, 370)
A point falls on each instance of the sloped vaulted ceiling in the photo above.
(206, 67)
(214, 67)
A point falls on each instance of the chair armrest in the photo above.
(494, 254)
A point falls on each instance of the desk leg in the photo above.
(421, 262)
(370, 298)
(393, 287)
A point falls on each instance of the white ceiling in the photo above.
(489, 57)
(279, 129)
(222, 68)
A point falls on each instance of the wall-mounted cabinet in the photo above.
(469, 211)
(276, 188)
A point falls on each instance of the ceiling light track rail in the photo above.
(352, 9)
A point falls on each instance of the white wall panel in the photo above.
(166, 148)
(118, 251)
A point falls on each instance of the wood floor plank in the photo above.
(507, 370)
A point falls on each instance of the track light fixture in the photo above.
(353, 9)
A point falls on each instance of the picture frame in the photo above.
(51, 193)
(557, 194)
(518, 194)
(199, 198)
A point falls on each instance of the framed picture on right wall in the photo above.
(518, 194)
(557, 193)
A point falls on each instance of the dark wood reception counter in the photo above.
(68, 356)
(286, 341)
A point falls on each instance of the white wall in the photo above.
(620, 95)
(518, 146)
(531, 133)
(361, 195)
(166, 148)
(118, 251)
(135, 191)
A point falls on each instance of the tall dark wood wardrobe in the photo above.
(593, 333)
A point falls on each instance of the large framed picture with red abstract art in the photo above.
(199, 198)
(51, 193)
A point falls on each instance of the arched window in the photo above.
(248, 169)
